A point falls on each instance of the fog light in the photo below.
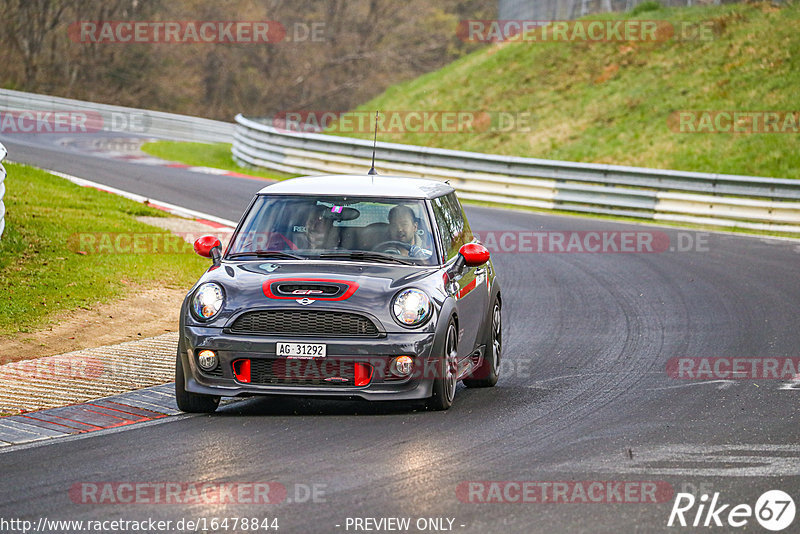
(207, 360)
(402, 365)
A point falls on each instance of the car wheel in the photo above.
(444, 384)
(187, 401)
(486, 375)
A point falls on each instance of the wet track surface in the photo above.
(584, 394)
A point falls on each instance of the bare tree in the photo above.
(365, 46)
(29, 24)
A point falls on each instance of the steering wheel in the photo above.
(389, 246)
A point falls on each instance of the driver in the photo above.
(318, 227)
(403, 227)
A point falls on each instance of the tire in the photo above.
(444, 384)
(187, 401)
(486, 375)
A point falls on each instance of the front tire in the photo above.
(444, 384)
(486, 375)
(187, 401)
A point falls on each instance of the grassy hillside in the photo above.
(610, 102)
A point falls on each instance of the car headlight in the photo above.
(411, 307)
(207, 301)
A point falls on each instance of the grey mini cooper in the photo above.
(367, 287)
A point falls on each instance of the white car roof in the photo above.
(359, 185)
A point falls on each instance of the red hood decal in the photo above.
(268, 292)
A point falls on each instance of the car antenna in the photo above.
(372, 170)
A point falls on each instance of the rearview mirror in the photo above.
(342, 213)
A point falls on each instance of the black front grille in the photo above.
(304, 323)
(322, 372)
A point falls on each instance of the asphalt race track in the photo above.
(584, 395)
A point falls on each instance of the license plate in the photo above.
(301, 350)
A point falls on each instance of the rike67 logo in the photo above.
(774, 510)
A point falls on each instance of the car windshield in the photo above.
(336, 227)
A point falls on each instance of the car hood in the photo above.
(367, 288)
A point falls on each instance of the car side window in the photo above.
(453, 228)
(466, 231)
(442, 226)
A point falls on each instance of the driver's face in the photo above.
(316, 223)
(403, 228)
(317, 227)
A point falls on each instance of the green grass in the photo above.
(216, 155)
(610, 102)
(41, 269)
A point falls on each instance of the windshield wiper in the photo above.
(365, 255)
(267, 254)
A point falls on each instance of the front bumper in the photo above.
(378, 352)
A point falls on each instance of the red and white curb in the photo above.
(102, 414)
(87, 374)
(129, 150)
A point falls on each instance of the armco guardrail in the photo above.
(121, 120)
(3, 153)
(749, 202)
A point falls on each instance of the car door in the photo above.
(470, 290)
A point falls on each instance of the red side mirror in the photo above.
(204, 245)
(474, 254)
